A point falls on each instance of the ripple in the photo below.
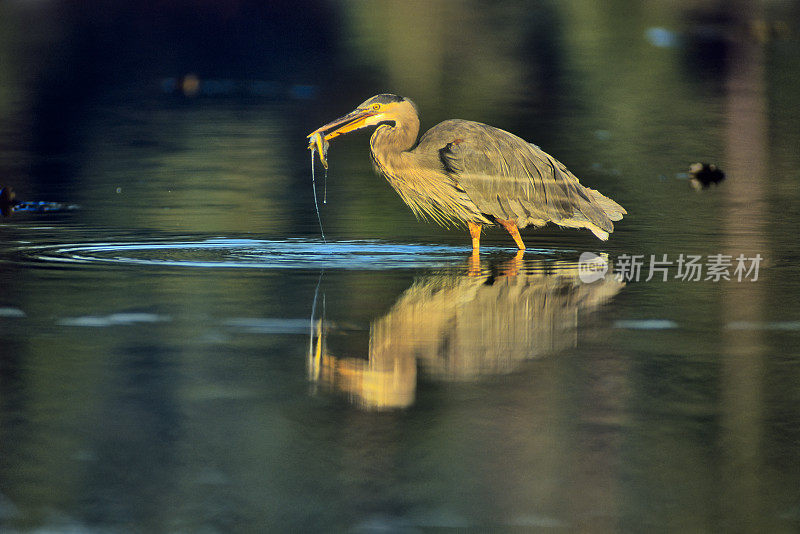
(115, 319)
(755, 325)
(254, 254)
(269, 325)
(646, 324)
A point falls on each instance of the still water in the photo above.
(181, 352)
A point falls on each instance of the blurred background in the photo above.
(161, 399)
(188, 104)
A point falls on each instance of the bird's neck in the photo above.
(390, 143)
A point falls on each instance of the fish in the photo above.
(318, 144)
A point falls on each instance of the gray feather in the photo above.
(508, 178)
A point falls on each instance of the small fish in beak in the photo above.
(355, 120)
(318, 144)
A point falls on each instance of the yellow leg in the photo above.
(511, 227)
(475, 234)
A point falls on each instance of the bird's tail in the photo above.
(613, 210)
(596, 214)
(592, 210)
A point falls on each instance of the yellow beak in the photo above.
(348, 123)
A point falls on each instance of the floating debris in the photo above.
(704, 174)
(9, 204)
(42, 207)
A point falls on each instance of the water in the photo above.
(180, 351)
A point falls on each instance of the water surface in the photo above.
(181, 352)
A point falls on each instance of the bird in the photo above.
(704, 174)
(466, 173)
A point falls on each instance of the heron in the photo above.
(466, 173)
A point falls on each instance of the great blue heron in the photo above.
(467, 172)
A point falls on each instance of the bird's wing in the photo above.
(509, 178)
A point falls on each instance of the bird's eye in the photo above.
(376, 107)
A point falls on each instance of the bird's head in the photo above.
(379, 109)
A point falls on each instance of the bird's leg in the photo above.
(475, 234)
(511, 227)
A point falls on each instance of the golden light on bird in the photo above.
(466, 173)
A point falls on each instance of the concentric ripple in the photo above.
(251, 254)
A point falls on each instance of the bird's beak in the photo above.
(352, 121)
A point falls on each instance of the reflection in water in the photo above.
(458, 325)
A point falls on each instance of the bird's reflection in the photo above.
(459, 325)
